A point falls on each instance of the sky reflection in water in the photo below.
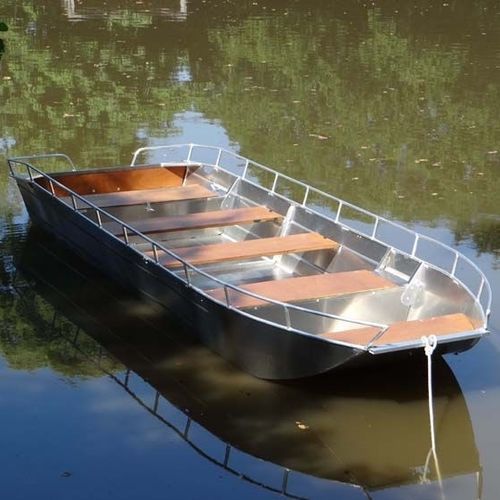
(391, 106)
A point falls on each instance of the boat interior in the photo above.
(266, 246)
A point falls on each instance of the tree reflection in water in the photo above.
(3, 27)
(366, 428)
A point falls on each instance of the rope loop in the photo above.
(430, 344)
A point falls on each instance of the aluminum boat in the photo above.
(278, 277)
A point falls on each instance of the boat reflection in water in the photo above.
(351, 433)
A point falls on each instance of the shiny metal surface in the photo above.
(222, 329)
(276, 327)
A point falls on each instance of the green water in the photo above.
(391, 105)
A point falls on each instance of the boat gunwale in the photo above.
(186, 264)
(418, 236)
(369, 347)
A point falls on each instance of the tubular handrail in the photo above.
(127, 230)
(457, 257)
(417, 237)
(19, 159)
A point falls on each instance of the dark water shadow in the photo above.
(367, 427)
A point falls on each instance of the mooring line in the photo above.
(430, 344)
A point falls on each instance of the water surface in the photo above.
(392, 106)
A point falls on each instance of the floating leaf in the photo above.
(301, 426)
(319, 136)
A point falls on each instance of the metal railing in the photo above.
(20, 159)
(79, 203)
(482, 295)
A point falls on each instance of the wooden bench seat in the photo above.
(306, 288)
(216, 218)
(110, 180)
(143, 196)
(404, 331)
(247, 249)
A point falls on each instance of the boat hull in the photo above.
(261, 349)
(267, 348)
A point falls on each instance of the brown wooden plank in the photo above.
(199, 220)
(139, 197)
(306, 287)
(404, 331)
(111, 181)
(247, 249)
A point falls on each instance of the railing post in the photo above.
(188, 159)
(245, 168)
(455, 263)
(415, 244)
(480, 290)
(186, 273)
(186, 429)
(275, 181)
(337, 215)
(218, 157)
(51, 185)
(155, 404)
(375, 227)
(285, 481)
(306, 195)
(226, 455)
(378, 335)
(226, 294)
(98, 217)
(155, 253)
(288, 322)
(125, 234)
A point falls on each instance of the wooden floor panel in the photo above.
(404, 331)
(201, 220)
(306, 288)
(143, 196)
(247, 249)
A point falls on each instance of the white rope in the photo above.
(430, 344)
